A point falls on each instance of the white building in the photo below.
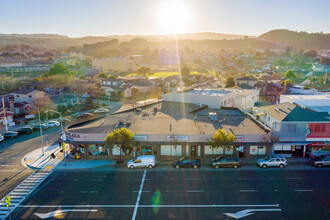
(319, 103)
(216, 98)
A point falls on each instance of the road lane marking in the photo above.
(60, 212)
(139, 195)
(245, 178)
(144, 206)
(295, 178)
(247, 212)
(303, 190)
(195, 191)
(248, 190)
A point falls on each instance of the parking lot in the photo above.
(181, 194)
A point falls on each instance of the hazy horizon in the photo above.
(146, 17)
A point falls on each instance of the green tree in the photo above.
(62, 108)
(123, 138)
(59, 68)
(143, 70)
(222, 140)
(230, 82)
(185, 71)
(103, 75)
(290, 74)
(287, 83)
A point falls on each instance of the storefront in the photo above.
(319, 136)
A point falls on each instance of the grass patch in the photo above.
(21, 74)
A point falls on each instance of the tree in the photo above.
(103, 75)
(59, 68)
(123, 138)
(287, 83)
(185, 71)
(62, 109)
(290, 74)
(230, 82)
(143, 70)
(222, 140)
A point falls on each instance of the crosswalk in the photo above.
(23, 190)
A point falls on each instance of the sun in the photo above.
(173, 17)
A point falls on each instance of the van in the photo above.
(142, 161)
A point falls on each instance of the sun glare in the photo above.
(173, 17)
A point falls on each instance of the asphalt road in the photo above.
(181, 194)
(12, 172)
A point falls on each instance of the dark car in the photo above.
(37, 127)
(85, 116)
(234, 162)
(25, 130)
(187, 162)
(10, 134)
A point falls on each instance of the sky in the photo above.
(77, 18)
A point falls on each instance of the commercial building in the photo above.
(169, 130)
(242, 99)
(318, 103)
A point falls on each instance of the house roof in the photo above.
(260, 84)
(247, 78)
(25, 91)
(245, 86)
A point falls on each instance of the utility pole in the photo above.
(4, 113)
(42, 142)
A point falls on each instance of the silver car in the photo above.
(272, 161)
(321, 161)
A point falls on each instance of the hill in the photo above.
(298, 40)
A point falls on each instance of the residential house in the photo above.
(114, 87)
(65, 99)
(27, 95)
(249, 80)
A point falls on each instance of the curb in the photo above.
(23, 161)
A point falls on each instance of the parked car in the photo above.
(234, 162)
(1, 138)
(101, 110)
(321, 161)
(51, 124)
(65, 120)
(187, 162)
(85, 116)
(272, 161)
(142, 161)
(37, 127)
(25, 130)
(10, 134)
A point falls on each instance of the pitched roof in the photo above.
(245, 86)
(247, 78)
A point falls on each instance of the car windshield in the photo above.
(268, 158)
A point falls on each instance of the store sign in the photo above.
(177, 138)
(72, 136)
(140, 137)
(239, 138)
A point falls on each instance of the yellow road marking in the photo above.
(48, 167)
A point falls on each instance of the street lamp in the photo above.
(42, 142)
(50, 110)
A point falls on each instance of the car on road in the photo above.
(37, 127)
(321, 161)
(101, 110)
(272, 161)
(142, 161)
(65, 120)
(187, 162)
(10, 134)
(234, 162)
(25, 130)
(85, 116)
(51, 124)
(1, 138)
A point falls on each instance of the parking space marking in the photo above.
(195, 191)
(248, 190)
(303, 190)
(139, 195)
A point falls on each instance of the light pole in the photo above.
(50, 110)
(42, 140)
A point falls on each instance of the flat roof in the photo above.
(172, 117)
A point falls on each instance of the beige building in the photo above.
(115, 65)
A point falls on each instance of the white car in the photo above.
(101, 110)
(142, 161)
(51, 124)
(1, 138)
(272, 161)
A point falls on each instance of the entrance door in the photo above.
(298, 150)
(146, 150)
(193, 151)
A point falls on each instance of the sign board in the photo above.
(239, 137)
(72, 136)
(100, 148)
(177, 137)
(141, 137)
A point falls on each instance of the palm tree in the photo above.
(123, 138)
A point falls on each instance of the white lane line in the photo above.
(295, 178)
(142, 191)
(192, 179)
(195, 191)
(245, 178)
(303, 190)
(144, 206)
(248, 190)
(143, 179)
(139, 196)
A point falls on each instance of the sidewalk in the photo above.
(35, 160)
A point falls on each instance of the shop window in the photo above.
(208, 150)
(170, 150)
(323, 128)
(116, 151)
(96, 149)
(257, 150)
(229, 151)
